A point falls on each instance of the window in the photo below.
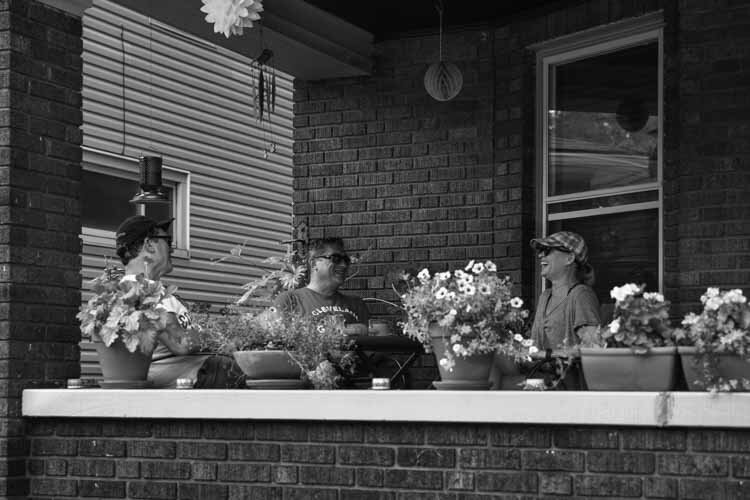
(600, 147)
(108, 182)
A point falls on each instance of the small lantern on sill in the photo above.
(151, 189)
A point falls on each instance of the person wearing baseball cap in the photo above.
(145, 247)
(567, 312)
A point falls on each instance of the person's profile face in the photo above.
(161, 243)
(330, 263)
(553, 261)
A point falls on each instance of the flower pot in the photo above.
(469, 372)
(121, 368)
(620, 369)
(267, 365)
(729, 366)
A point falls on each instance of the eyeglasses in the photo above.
(166, 237)
(545, 251)
(336, 258)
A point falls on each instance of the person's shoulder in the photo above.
(583, 292)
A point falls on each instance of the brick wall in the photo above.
(40, 137)
(710, 207)
(383, 165)
(221, 460)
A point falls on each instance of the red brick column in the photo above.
(40, 169)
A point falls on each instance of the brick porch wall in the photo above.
(380, 163)
(389, 461)
(40, 156)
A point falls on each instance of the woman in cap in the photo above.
(567, 313)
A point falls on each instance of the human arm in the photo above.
(586, 317)
(174, 337)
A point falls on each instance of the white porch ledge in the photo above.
(673, 409)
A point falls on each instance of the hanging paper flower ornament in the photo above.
(230, 16)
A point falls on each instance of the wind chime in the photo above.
(263, 96)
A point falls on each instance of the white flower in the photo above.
(527, 342)
(458, 349)
(533, 349)
(734, 296)
(444, 362)
(469, 265)
(423, 275)
(465, 330)
(491, 267)
(516, 302)
(470, 290)
(443, 276)
(653, 296)
(459, 274)
(614, 326)
(477, 268)
(485, 289)
(713, 303)
(518, 337)
(690, 319)
(440, 294)
(620, 293)
(710, 292)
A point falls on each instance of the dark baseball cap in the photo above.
(136, 228)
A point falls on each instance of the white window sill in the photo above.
(652, 409)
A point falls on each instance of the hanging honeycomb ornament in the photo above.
(443, 81)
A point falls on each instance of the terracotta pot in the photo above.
(469, 372)
(266, 365)
(121, 368)
(729, 366)
(620, 369)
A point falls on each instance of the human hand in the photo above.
(355, 329)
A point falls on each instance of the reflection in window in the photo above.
(602, 121)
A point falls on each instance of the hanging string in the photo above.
(439, 8)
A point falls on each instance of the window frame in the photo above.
(582, 45)
(116, 165)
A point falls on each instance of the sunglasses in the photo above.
(546, 250)
(166, 237)
(336, 258)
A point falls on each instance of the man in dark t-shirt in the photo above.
(329, 265)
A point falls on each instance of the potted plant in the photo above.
(465, 317)
(636, 351)
(280, 350)
(714, 345)
(123, 319)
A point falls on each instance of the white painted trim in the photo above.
(593, 212)
(650, 409)
(601, 193)
(74, 7)
(113, 164)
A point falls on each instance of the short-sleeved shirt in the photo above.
(309, 302)
(556, 328)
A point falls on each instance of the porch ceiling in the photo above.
(320, 39)
(385, 18)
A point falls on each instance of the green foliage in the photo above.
(641, 319)
(125, 310)
(722, 327)
(319, 347)
(474, 305)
